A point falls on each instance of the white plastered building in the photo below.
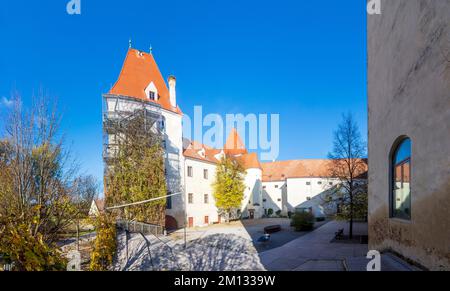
(278, 187)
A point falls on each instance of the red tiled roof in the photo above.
(193, 151)
(234, 148)
(249, 161)
(281, 170)
(234, 144)
(138, 71)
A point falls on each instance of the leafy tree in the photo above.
(349, 166)
(229, 186)
(36, 191)
(136, 171)
(104, 245)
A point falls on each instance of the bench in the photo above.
(339, 234)
(272, 229)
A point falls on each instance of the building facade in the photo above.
(275, 188)
(299, 185)
(141, 86)
(409, 130)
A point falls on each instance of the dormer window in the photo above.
(202, 153)
(151, 92)
(151, 95)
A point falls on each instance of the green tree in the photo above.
(105, 244)
(37, 197)
(229, 186)
(136, 171)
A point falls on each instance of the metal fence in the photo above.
(139, 227)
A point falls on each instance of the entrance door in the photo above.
(191, 221)
(206, 219)
(252, 213)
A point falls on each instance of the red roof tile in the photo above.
(234, 144)
(248, 161)
(281, 170)
(138, 71)
(234, 148)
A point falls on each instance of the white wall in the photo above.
(174, 163)
(253, 193)
(274, 194)
(199, 186)
(295, 193)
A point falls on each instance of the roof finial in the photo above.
(129, 43)
(151, 49)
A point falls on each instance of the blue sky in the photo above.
(304, 60)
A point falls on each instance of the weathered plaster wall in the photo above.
(409, 94)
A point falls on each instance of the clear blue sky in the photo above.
(305, 60)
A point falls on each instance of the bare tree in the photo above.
(37, 193)
(84, 190)
(348, 164)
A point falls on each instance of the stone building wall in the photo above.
(409, 95)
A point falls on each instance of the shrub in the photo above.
(318, 219)
(303, 221)
(270, 212)
(30, 253)
(290, 214)
(278, 213)
(104, 245)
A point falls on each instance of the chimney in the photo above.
(172, 91)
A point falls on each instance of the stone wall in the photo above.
(409, 95)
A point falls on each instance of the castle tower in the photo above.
(141, 85)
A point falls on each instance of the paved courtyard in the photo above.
(233, 246)
(251, 230)
(315, 252)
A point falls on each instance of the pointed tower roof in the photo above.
(234, 144)
(138, 71)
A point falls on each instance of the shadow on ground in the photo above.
(218, 252)
(255, 229)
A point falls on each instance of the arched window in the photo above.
(401, 180)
